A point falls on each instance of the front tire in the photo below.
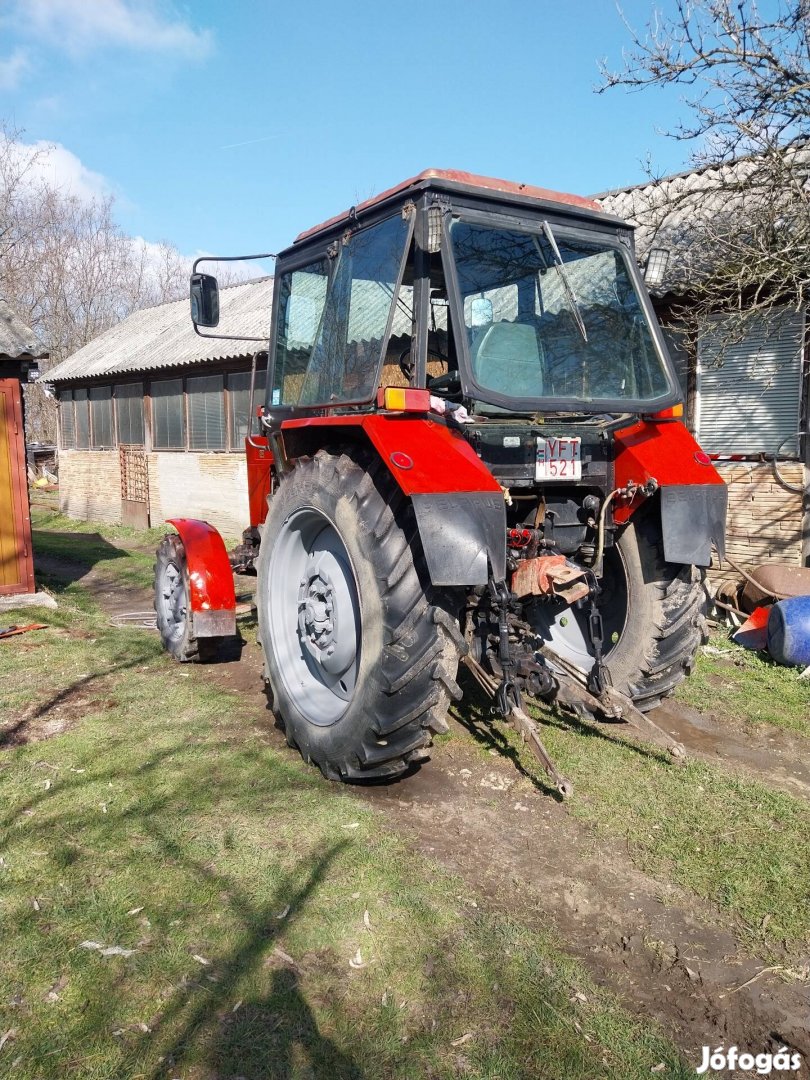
(173, 615)
(360, 650)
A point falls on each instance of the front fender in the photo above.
(212, 593)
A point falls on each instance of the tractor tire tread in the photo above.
(405, 703)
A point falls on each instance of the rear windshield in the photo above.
(549, 315)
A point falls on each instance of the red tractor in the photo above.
(471, 450)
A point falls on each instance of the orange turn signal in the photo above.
(403, 399)
(672, 413)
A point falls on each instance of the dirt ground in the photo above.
(660, 950)
(665, 954)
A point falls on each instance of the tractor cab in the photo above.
(508, 299)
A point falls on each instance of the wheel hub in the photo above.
(317, 613)
(174, 599)
(314, 615)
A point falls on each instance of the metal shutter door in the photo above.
(748, 402)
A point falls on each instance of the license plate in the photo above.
(558, 459)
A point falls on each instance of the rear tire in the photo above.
(361, 652)
(666, 616)
(653, 615)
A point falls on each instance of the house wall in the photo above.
(765, 520)
(208, 486)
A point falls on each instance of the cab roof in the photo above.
(457, 180)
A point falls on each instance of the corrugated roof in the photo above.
(163, 337)
(18, 341)
(668, 212)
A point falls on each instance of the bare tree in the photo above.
(67, 268)
(739, 224)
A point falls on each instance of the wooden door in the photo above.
(134, 487)
(16, 562)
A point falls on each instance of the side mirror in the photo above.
(204, 300)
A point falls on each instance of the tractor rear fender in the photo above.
(459, 505)
(213, 598)
(694, 498)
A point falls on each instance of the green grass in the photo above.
(118, 555)
(746, 687)
(732, 841)
(161, 821)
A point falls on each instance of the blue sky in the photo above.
(229, 127)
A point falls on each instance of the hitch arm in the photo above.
(521, 722)
(611, 703)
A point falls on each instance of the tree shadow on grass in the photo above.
(274, 1035)
(280, 1031)
(23, 729)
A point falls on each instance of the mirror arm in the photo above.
(249, 439)
(228, 258)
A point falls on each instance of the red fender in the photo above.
(459, 505)
(423, 455)
(665, 451)
(213, 598)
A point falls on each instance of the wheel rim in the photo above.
(314, 616)
(565, 629)
(172, 602)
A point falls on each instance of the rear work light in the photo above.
(673, 413)
(403, 399)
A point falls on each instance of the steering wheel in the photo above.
(450, 383)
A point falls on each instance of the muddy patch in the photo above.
(60, 712)
(773, 756)
(666, 954)
(114, 597)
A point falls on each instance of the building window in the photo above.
(168, 416)
(101, 426)
(67, 420)
(82, 420)
(129, 413)
(206, 412)
(239, 395)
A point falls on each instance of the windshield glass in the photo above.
(549, 315)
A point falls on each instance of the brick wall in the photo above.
(765, 519)
(208, 486)
(90, 485)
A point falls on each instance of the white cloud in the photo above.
(12, 69)
(83, 25)
(60, 168)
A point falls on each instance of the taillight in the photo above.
(672, 413)
(403, 399)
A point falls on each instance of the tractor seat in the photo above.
(509, 358)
